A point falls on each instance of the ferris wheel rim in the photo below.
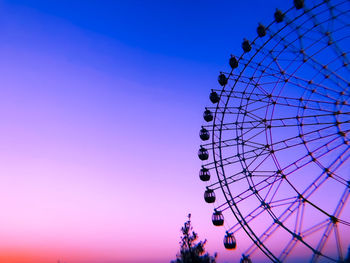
(218, 156)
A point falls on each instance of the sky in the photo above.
(100, 107)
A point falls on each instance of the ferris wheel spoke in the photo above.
(252, 248)
(232, 179)
(281, 202)
(278, 123)
(315, 184)
(278, 223)
(333, 220)
(257, 131)
(313, 87)
(328, 31)
(315, 64)
(328, 75)
(251, 111)
(342, 203)
(309, 191)
(338, 243)
(315, 228)
(292, 100)
(291, 119)
(250, 192)
(252, 144)
(288, 248)
(299, 217)
(229, 180)
(336, 164)
(306, 84)
(295, 141)
(286, 103)
(248, 219)
(251, 162)
(252, 115)
(233, 159)
(331, 136)
(274, 191)
(274, 54)
(292, 75)
(295, 235)
(330, 20)
(284, 125)
(299, 166)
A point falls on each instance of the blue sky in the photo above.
(195, 30)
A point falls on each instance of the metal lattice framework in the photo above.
(277, 137)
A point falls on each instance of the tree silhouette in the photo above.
(190, 250)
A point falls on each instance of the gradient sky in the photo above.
(101, 104)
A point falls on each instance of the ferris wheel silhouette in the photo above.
(276, 138)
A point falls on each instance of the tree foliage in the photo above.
(190, 250)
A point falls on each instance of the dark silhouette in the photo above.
(190, 250)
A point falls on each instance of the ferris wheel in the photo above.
(276, 141)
